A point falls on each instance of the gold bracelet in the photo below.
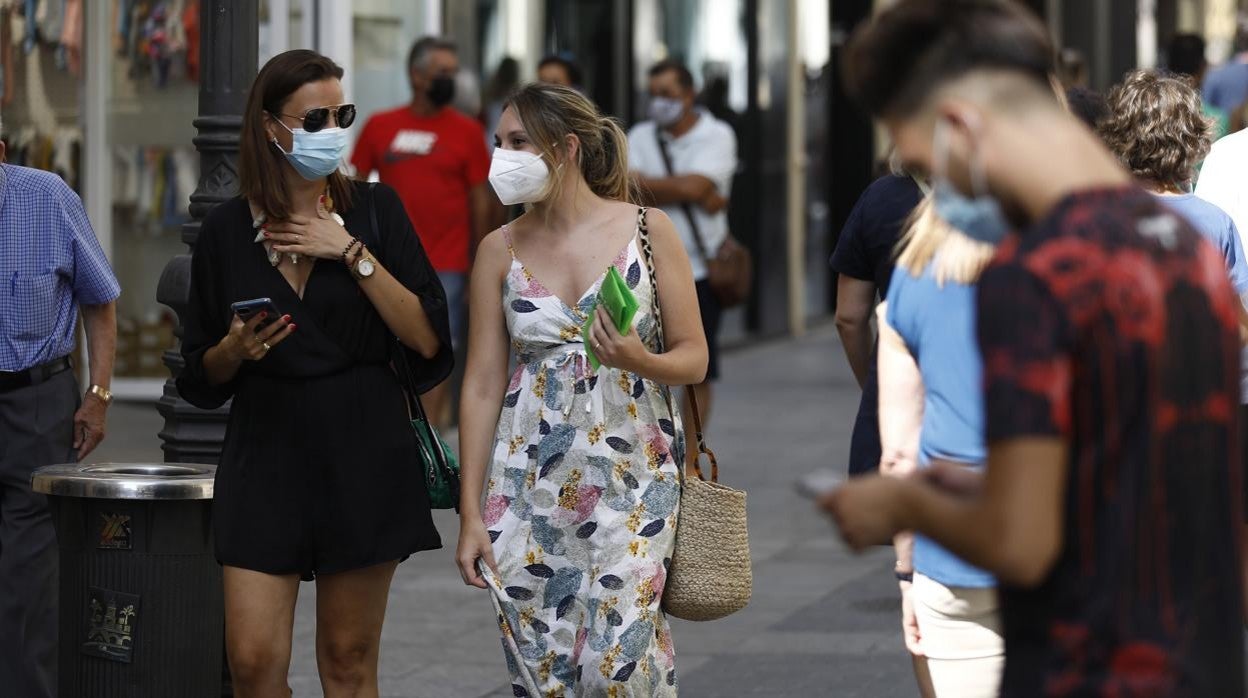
(102, 394)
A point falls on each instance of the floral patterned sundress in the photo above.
(581, 502)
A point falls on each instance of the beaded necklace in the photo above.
(324, 207)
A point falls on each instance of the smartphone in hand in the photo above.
(246, 310)
(816, 484)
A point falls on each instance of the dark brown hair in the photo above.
(683, 76)
(1157, 128)
(1186, 54)
(261, 175)
(550, 113)
(426, 45)
(895, 61)
(569, 68)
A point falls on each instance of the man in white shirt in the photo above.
(1222, 177)
(693, 190)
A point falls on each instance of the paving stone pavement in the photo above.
(823, 622)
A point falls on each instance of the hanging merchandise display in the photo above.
(56, 25)
(40, 93)
(56, 150)
(159, 39)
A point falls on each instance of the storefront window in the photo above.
(384, 31)
(706, 35)
(40, 54)
(152, 100)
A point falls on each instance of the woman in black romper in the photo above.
(319, 476)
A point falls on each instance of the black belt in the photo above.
(32, 376)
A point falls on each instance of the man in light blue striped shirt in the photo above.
(51, 267)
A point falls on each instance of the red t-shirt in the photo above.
(432, 162)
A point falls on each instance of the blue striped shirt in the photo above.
(50, 262)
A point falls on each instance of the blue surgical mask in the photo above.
(315, 155)
(978, 217)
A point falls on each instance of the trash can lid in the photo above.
(126, 480)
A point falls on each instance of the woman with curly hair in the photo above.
(1156, 126)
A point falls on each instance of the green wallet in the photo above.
(621, 305)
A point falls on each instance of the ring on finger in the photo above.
(266, 346)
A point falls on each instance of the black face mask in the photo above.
(441, 92)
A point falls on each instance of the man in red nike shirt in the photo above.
(435, 158)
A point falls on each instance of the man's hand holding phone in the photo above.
(255, 330)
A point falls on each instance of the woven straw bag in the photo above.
(711, 574)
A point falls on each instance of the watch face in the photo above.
(365, 267)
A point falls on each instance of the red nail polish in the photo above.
(266, 233)
(263, 315)
(292, 327)
(286, 318)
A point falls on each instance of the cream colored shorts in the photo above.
(960, 631)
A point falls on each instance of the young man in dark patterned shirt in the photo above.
(1111, 508)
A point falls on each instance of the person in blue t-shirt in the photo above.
(1158, 129)
(932, 410)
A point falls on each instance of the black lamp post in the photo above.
(228, 54)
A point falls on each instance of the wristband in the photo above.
(904, 576)
(346, 254)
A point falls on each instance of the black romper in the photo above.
(319, 472)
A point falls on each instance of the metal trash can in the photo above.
(141, 610)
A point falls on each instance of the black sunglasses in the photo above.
(316, 119)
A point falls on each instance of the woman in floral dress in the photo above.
(579, 467)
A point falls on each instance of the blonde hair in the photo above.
(550, 113)
(929, 240)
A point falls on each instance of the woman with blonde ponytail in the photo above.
(932, 416)
(573, 528)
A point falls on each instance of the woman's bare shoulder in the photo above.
(494, 248)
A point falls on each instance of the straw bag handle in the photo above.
(648, 253)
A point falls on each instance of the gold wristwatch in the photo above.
(102, 394)
(365, 266)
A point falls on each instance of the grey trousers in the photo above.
(36, 428)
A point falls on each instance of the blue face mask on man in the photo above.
(317, 154)
(978, 217)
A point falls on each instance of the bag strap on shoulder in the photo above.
(398, 355)
(684, 205)
(647, 253)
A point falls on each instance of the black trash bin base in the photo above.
(141, 609)
(144, 613)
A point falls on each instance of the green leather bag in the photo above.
(440, 464)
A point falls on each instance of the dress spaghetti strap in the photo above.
(511, 249)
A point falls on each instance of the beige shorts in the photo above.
(960, 632)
